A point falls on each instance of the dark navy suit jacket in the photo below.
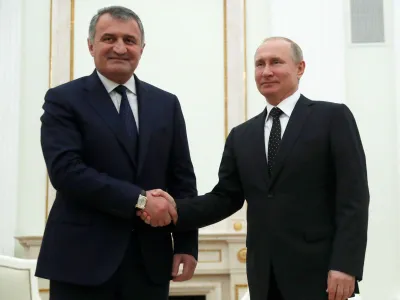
(310, 216)
(98, 181)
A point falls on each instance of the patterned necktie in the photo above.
(274, 137)
(126, 115)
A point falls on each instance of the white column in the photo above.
(10, 56)
(396, 42)
(35, 45)
(62, 60)
(235, 38)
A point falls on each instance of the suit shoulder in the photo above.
(71, 85)
(249, 124)
(326, 105)
(158, 92)
(323, 106)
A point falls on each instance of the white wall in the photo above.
(34, 84)
(318, 27)
(395, 6)
(371, 95)
(10, 30)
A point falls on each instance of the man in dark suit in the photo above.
(108, 139)
(301, 167)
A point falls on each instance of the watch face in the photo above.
(141, 202)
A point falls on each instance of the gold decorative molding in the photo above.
(27, 241)
(51, 44)
(237, 288)
(225, 71)
(218, 260)
(50, 83)
(242, 255)
(72, 41)
(245, 59)
(71, 71)
(238, 226)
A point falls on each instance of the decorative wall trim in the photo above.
(225, 71)
(237, 289)
(219, 259)
(245, 58)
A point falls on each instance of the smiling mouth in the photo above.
(115, 58)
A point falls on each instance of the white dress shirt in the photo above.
(116, 98)
(287, 107)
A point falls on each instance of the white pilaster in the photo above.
(34, 76)
(236, 62)
(62, 60)
(396, 45)
(10, 82)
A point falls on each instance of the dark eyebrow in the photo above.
(113, 35)
(107, 35)
(130, 36)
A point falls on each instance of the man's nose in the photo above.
(119, 47)
(267, 72)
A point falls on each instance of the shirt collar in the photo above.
(111, 85)
(287, 105)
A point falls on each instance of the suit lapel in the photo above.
(293, 129)
(147, 119)
(101, 102)
(257, 142)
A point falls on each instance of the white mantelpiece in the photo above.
(220, 272)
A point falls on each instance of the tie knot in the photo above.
(120, 89)
(275, 112)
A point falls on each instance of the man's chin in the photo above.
(118, 75)
(268, 92)
(120, 70)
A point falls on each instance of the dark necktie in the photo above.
(126, 114)
(274, 137)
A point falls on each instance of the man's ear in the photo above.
(90, 46)
(300, 69)
(141, 51)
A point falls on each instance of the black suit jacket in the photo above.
(310, 216)
(98, 181)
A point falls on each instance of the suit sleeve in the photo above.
(61, 143)
(182, 181)
(225, 199)
(352, 195)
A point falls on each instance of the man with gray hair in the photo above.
(301, 167)
(108, 140)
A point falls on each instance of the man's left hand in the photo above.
(189, 265)
(340, 285)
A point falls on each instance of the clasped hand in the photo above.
(160, 209)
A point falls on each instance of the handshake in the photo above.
(160, 209)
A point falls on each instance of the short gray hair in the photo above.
(116, 12)
(297, 53)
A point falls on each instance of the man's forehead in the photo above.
(273, 48)
(106, 21)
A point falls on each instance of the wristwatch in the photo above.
(142, 200)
